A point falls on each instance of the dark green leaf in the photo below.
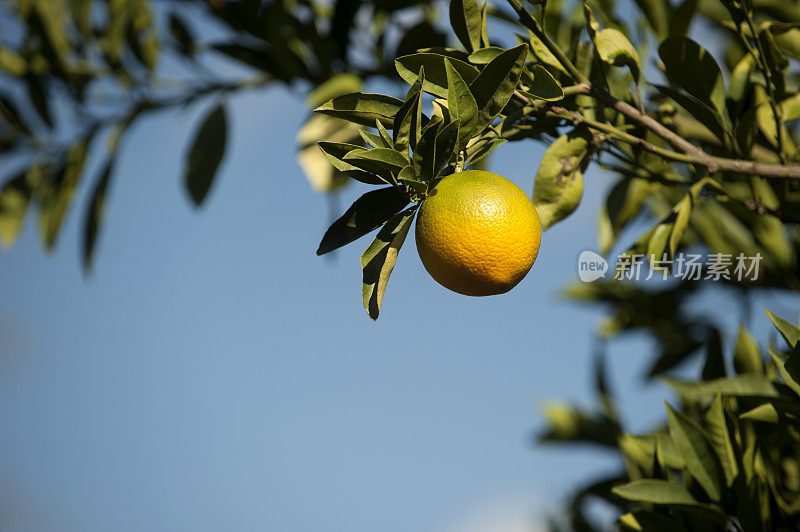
(497, 82)
(691, 67)
(435, 71)
(335, 153)
(746, 354)
(720, 439)
(695, 448)
(376, 141)
(384, 162)
(445, 147)
(465, 19)
(707, 115)
(543, 85)
(462, 106)
(57, 195)
(790, 333)
(481, 149)
(366, 214)
(407, 127)
(380, 257)
(363, 108)
(205, 154)
(715, 361)
(95, 212)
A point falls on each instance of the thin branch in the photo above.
(694, 156)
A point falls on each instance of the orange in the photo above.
(477, 233)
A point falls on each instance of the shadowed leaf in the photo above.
(205, 154)
(366, 214)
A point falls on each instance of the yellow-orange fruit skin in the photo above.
(477, 233)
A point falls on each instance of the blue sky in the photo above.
(215, 374)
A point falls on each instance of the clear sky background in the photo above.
(214, 374)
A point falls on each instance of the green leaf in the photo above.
(615, 49)
(480, 150)
(387, 137)
(39, 99)
(363, 108)
(205, 154)
(721, 440)
(338, 85)
(366, 214)
(746, 354)
(372, 139)
(740, 78)
(335, 152)
(12, 62)
(8, 111)
(462, 106)
(683, 211)
(654, 491)
(15, 197)
(95, 212)
(638, 449)
(644, 521)
(691, 67)
(465, 19)
(748, 385)
(380, 257)
(559, 182)
(384, 162)
(706, 114)
(780, 361)
(789, 332)
(435, 71)
(695, 448)
(543, 53)
(496, 83)
(445, 147)
(714, 366)
(181, 33)
(765, 413)
(316, 164)
(57, 195)
(407, 127)
(484, 55)
(792, 364)
(543, 86)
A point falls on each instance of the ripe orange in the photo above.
(477, 233)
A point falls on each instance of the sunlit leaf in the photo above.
(559, 182)
(380, 257)
(615, 49)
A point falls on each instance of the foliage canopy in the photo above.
(692, 107)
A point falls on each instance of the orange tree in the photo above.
(703, 146)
